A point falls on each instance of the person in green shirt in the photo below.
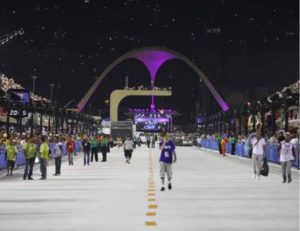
(233, 141)
(11, 155)
(95, 148)
(29, 148)
(103, 147)
(44, 157)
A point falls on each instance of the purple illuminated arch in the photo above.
(153, 58)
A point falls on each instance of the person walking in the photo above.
(103, 147)
(219, 140)
(248, 144)
(224, 142)
(148, 141)
(108, 143)
(70, 150)
(233, 141)
(258, 149)
(58, 151)
(29, 148)
(152, 142)
(128, 149)
(95, 148)
(44, 157)
(86, 148)
(286, 151)
(167, 157)
(11, 155)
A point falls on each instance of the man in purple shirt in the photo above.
(167, 157)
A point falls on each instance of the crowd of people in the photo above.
(37, 148)
(7, 83)
(287, 144)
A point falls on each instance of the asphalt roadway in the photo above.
(210, 192)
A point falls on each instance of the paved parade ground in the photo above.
(210, 192)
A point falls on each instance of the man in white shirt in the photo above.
(128, 149)
(258, 149)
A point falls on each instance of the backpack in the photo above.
(265, 168)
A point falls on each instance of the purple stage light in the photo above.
(156, 120)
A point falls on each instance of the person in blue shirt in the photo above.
(167, 157)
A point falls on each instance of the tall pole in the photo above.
(56, 121)
(52, 85)
(286, 116)
(7, 121)
(33, 83)
(20, 119)
(41, 123)
(152, 98)
(126, 82)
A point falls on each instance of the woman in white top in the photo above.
(286, 151)
(258, 149)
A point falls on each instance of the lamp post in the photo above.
(33, 83)
(52, 85)
(289, 100)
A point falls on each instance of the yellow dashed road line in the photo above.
(150, 214)
(150, 223)
(151, 194)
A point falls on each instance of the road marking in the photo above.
(150, 223)
(151, 214)
(151, 193)
(152, 206)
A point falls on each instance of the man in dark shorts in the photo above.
(128, 149)
(167, 157)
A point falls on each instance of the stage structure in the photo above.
(147, 120)
(117, 95)
(153, 58)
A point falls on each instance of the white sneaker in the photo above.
(253, 176)
(258, 177)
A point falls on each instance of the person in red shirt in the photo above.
(70, 150)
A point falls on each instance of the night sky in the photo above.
(70, 42)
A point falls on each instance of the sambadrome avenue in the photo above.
(149, 115)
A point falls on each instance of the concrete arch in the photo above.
(153, 58)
